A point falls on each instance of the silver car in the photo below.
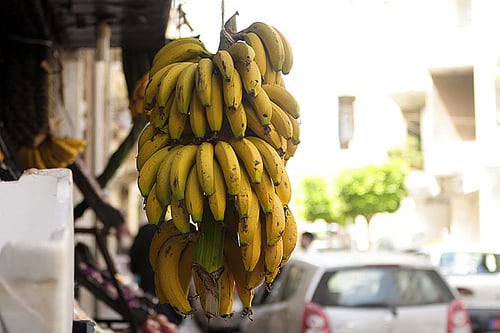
(358, 292)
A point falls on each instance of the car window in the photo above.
(381, 286)
(467, 263)
(285, 285)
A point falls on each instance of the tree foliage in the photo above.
(317, 201)
(370, 190)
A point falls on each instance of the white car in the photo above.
(358, 292)
(474, 270)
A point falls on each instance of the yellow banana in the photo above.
(147, 174)
(180, 216)
(178, 50)
(242, 200)
(267, 132)
(146, 134)
(159, 117)
(37, 158)
(155, 210)
(275, 222)
(224, 62)
(164, 231)
(152, 87)
(203, 81)
(248, 224)
(169, 81)
(163, 189)
(167, 270)
(237, 120)
(291, 148)
(282, 121)
(226, 295)
(287, 48)
(205, 167)
(260, 52)
(295, 129)
(228, 161)
(232, 91)
(241, 52)
(194, 197)
(183, 160)
(284, 188)
(283, 98)
(197, 117)
(272, 43)
(289, 234)
(215, 111)
(160, 140)
(176, 122)
(250, 157)
(185, 267)
(279, 80)
(217, 200)
(251, 252)
(262, 107)
(272, 255)
(251, 77)
(270, 76)
(47, 156)
(184, 87)
(273, 163)
(61, 151)
(265, 192)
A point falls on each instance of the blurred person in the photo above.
(141, 267)
(306, 240)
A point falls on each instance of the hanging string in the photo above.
(222, 14)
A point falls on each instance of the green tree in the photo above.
(316, 199)
(370, 190)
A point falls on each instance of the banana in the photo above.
(279, 80)
(256, 277)
(47, 156)
(155, 210)
(273, 163)
(287, 48)
(295, 129)
(272, 43)
(241, 52)
(194, 197)
(250, 77)
(283, 98)
(165, 230)
(242, 200)
(267, 132)
(184, 87)
(147, 174)
(250, 157)
(163, 189)
(185, 267)
(182, 162)
(272, 256)
(284, 188)
(178, 50)
(251, 252)
(78, 144)
(232, 91)
(159, 117)
(275, 222)
(136, 103)
(228, 161)
(37, 158)
(248, 224)
(176, 122)
(215, 111)
(226, 295)
(152, 88)
(160, 140)
(265, 192)
(205, 167)
(197, 118)
(167, 269)
(255, 42)
(224, 62)
(203, 79)
(262, 106)
(289, 234)
(146, 134)
(282, 121)
(201, 294)
(62, 151)
(180, 216)
(270, 76)
(168, 84)
(291, 148)
(237, 120)
(217, 200)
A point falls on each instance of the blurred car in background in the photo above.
(341, 291)
(474, 270)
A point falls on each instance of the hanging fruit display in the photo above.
(212, 167)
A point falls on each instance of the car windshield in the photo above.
(466, 263)
(381, 287)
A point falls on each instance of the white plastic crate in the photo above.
(37, 252)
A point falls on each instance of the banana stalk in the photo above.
(208, 261)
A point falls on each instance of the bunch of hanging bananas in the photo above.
(52, 152)
(212, 167)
